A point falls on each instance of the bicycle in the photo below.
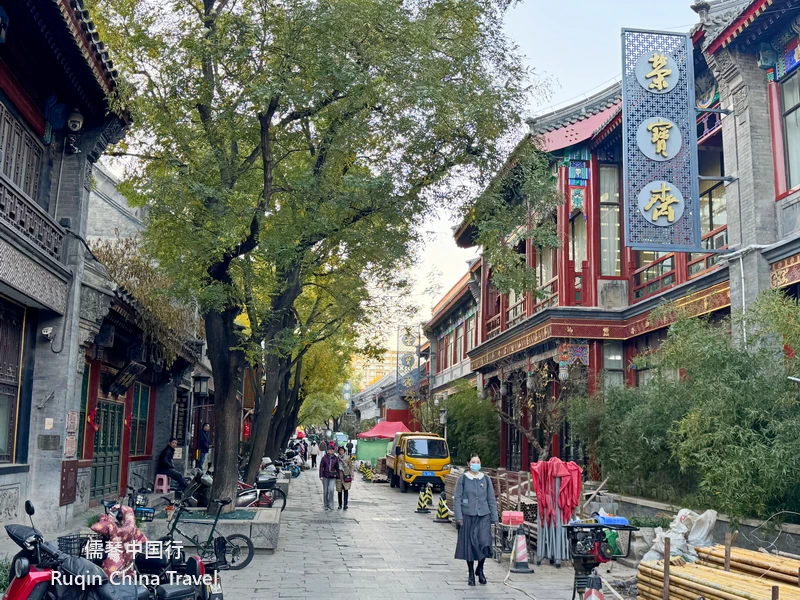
(234, 543)
(268, 497)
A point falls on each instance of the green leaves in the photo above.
(725, 432)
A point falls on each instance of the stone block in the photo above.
(283, 482)
(265, 528)
(199, 528)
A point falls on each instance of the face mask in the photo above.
(475, 467)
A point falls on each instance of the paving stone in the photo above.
(379, 549)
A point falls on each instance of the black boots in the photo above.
(479, 573)
(471, 565)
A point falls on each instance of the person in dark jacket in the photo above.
(329, 475)
(203, 445)
(165, 466)
(476, 510)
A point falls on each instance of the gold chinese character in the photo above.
(661, 202)
(659, 62)
(660, 133)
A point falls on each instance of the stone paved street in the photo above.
(378, 549)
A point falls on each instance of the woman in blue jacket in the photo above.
(476, 510)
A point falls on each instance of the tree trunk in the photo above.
(261, 424)
(226, 365)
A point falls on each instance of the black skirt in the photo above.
(474, 538)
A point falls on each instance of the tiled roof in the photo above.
(721, 15)
(94, 51)
(578, 111)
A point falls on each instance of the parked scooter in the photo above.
(169, 561)
(40, 570)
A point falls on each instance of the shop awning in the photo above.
(385, 429)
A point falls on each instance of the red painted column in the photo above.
(591, 208)
(629, 353)
(91, 406)
(503, 313)
(566, 274)
(681, 267)
(484, 300)
(125, 451)
(776, 129)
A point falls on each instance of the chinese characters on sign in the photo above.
(407, 360)
(659, 73)
(96, 549)
(660, 204)
(659, 142)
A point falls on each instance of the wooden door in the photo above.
(107, 449)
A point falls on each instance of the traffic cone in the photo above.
(594, 588)
(519, 558)
(369, 475)
(442, 514)
(429, 495)
(422, 503)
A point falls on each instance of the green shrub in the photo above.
(472, 426)
(663, 522)
(92, 519)
(5, 573)
(724, 434)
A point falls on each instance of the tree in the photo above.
(425, 412)
(281, 142)
(724, 433)
(535, 404)
(324, 373)
(473, 426)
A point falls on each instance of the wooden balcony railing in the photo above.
(654, 277)
(29, 220)
(548, 296)
(516, 313)
(702, 263)
(492, 326)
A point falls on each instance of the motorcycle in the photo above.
(41, 570)
(160, 567)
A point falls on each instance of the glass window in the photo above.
(459, 344)
(139, 413)
(470, 333)
(713, 209)
(613, 364)
(610, 238)
(544, 265)
(577, 240)
(791, 128)
(424, 448)
(440, 354)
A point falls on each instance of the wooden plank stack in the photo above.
(691, 581)
(748, 562)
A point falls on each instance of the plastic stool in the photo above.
(162, 485)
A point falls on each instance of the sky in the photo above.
(577, 44)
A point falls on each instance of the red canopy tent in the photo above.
(385, 429)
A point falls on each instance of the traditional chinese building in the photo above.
(452, 333)
(56, 80)
(597, 295)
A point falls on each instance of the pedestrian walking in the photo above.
(476, 510)
(349, 448)
(322, 446)
(345, 477)
(314, 450)
(328, 474)
(203, 445)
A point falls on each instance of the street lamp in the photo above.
(795, 379)
(201, 385)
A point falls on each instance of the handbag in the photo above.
(348, 479)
